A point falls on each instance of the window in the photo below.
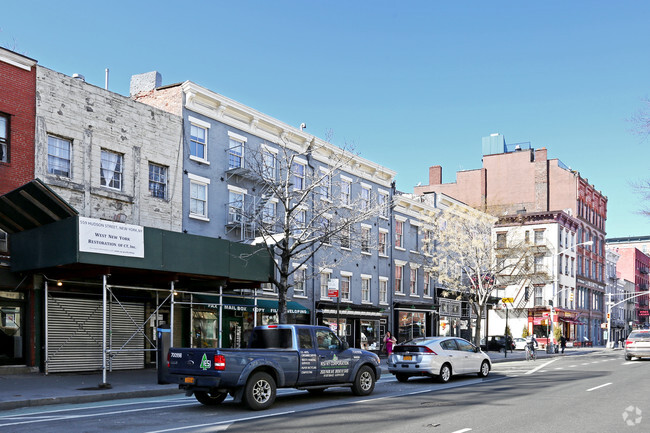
(4, 138)
(566, 265)
(365, 289)
(365, 239)
(198, 198)
(299, 278)
(3, 242)
(383, 243)
(346, 189)
(158, 180)
(399, 269)
(383, 290)
(526, 237)
(300, 221)
(539, 296)
(324, 280)
(235, 206)
(198, 142)
(325, 229)
(501, 240)
(345, 237)
(325, 187)
(382, 202)
(416, 238)
(269, 164)
(413, 283)
(58, 156)
(111, 169)
(345, 287)
(399, 234)
(364, 204)
(298, 175)
(235, 153)
(539, 237)
(268, 288)
(427, 284)
(269, 212)
(561, 238)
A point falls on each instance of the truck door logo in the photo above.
(205, 363)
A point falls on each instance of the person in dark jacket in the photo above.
(562, 343)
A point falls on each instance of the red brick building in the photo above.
(17, 119)
(634, 266)
(515, 178)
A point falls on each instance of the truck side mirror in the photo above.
(345, 345)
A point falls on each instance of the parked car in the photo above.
(496, 343)
(637, 344)
(520, 343)
(439, 357)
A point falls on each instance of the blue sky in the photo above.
(408, 84)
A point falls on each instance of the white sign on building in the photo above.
(107, 237)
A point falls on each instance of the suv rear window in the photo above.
(270, 339)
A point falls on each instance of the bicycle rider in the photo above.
(531, 342)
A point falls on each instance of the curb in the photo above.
(73, 399)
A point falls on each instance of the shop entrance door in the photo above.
(11, 332)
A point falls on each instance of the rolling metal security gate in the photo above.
(75, 335)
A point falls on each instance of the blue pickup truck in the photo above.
(305, 357)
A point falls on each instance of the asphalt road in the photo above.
(598, 392)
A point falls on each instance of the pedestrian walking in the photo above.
(562, 342)
(389, 340)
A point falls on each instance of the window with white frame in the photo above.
(345, 286)
(539, 296)
(3, 242)
(415, 233)
(235, 205)
(198, 140)
(413, 281)
(269, 212)
(158, 180)
(426, 291)
(299, 278)
(538, 263)
(365, 288)
(383, 290)
(59, 151)
(324, 223)
(111, 169)
(325, 276)
(399, 234)
(365, 238)
(346, 191)
(4, 138)
(198, 196)
(566, 265)
(399, 271)
(298, 175)
(561, 237)
(383, 243)
(501, 240)
(300, 221)
(382, 202)
(325, 187)
(364, 203)
(346, 235)
(235, 150)
(269, 163)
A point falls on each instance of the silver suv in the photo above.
(638, 344)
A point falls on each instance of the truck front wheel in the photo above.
(364, 383)
(260, 391)
(210, 398)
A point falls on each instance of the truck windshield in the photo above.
(270, 339)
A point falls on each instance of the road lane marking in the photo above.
(599, 386)
(540, 367)
(221, 423)
(463, 430)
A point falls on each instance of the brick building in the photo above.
(516, 178)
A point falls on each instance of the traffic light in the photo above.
(571, 296)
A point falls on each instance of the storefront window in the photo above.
(205, 329)
(339, 328)
(411, 325)
(370, 335)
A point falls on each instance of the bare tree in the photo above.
(470, 261)
(641, 127)
(302, 207)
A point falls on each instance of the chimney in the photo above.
(435, 175)
(145, 82)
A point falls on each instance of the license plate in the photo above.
(408, 358)
(189, 380)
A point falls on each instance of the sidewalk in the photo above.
(37, 389)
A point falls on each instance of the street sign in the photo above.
(333, 288)
(509, 300)
(544, 314)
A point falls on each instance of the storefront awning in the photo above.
(32, 205)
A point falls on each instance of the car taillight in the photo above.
(219, 362)
(427, 350)
(169, 355)
(628, 342)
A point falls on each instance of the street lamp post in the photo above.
(549, 346)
